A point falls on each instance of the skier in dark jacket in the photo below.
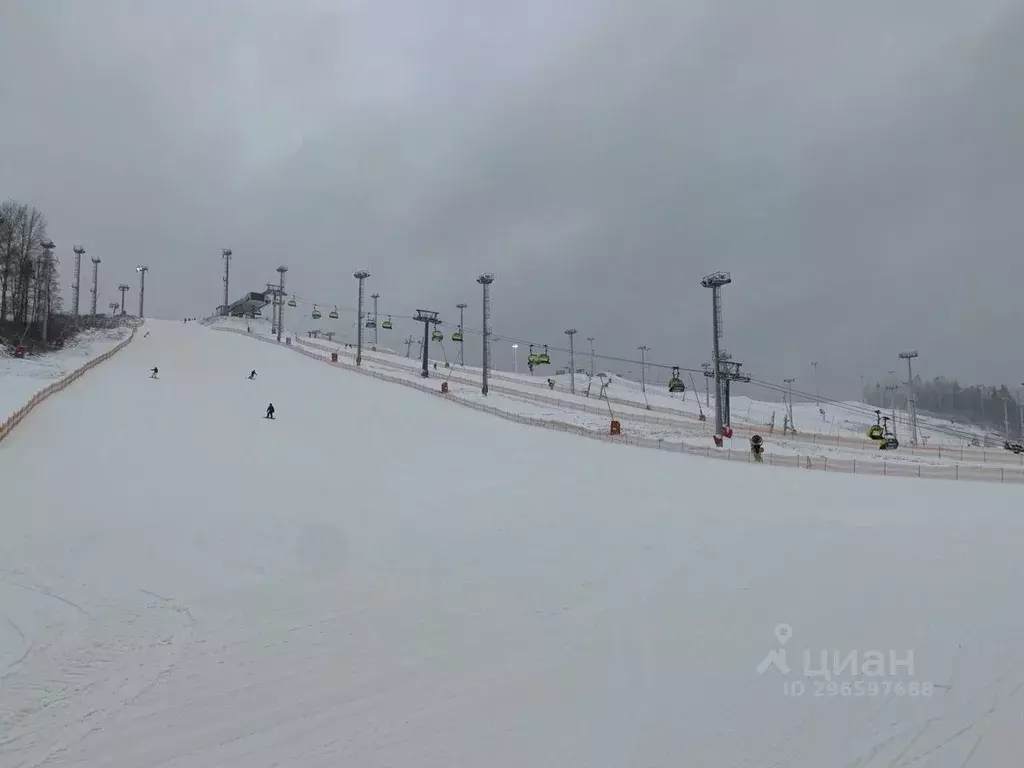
(152, 373)
(270, 411)
(253, 374)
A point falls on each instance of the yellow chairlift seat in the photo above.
(437, 336)
(386, 325)
(457, 336)
(544, 358)
(675, 384)
(532, 358)
(876, 433)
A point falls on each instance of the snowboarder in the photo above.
(270, 411)
(153, 372)
(252, 375)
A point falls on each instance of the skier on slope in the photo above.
(270, 411)
(252, 375)
(153, 372)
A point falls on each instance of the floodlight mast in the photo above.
(375, 296)
(142, 270)
(48, 246)
(79, 251)
(570, 332)
(715, 281)
(95, 281)
(361, 275)
(485, 281)
(911, 399)
(123, 287)
(226, 255)
(461, 306)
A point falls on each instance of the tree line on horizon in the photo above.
(27, 269)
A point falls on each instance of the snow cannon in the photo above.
(757, 448)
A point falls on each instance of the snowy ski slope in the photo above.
(382, 578)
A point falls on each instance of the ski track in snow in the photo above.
(205, 587)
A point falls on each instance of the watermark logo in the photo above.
(886, 674)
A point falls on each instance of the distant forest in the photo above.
(986, 406)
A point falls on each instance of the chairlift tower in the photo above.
(280, 308)
(142, 270)
(76, 286)
(817, 391)
(376, 324)
(485, 281)
(911, 399)
(591, 340)
(428, 317)
(123, 288)
(715, 281)
(570, 332)
(95, 281)
(789, 400)
(226, 255)
(361, 275)
(408, 344)
(461, 306)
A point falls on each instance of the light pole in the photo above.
(817, 392)
(280, 307)
(375, 296)
(485, 281)
(570, 332)
(715, 282)
(123, 287)
(591, 340)
(643, 368)
(789, 404)
(226, 255)
(361, 275)
(462, 343)
(515, 357)
(48, 267)
(142, 270)
(95, 281)
(79, 250)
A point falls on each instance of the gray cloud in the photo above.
(857, 166)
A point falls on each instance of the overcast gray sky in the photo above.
(857, 166)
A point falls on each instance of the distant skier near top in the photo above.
(252, 375)
(270, 411)
(152, 373)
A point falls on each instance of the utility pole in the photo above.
(715, 281)
(123, 287)
(95, 281)
(817, 391)
(79, 250)
(462, 342)
(142, 270)
(591, 340)
(361, 275)
(226, 255)
(408, 344)
(570, 332)
(911, 400)
(48, 246)
(789, 401)
(485, 281)
(280, 307)
(428, 317)
(643, 368)
(892, 389)
(375, 296)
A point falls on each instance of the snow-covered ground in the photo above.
(21, 378)
(380, 578)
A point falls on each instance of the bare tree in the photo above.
(29, 282)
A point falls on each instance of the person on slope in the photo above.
(153, 372)
(252, 375)
(270, 411)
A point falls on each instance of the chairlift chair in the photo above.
(532, 358)
(876, 432)
(457, 336)
(543, 358)
(386, 325)
(675, 384)
(292, 302)
(333, 313)
(315, 314)
(437, 335)
(371, 322)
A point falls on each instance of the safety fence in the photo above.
(814, 463)
(687, 421)
(58, 386)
